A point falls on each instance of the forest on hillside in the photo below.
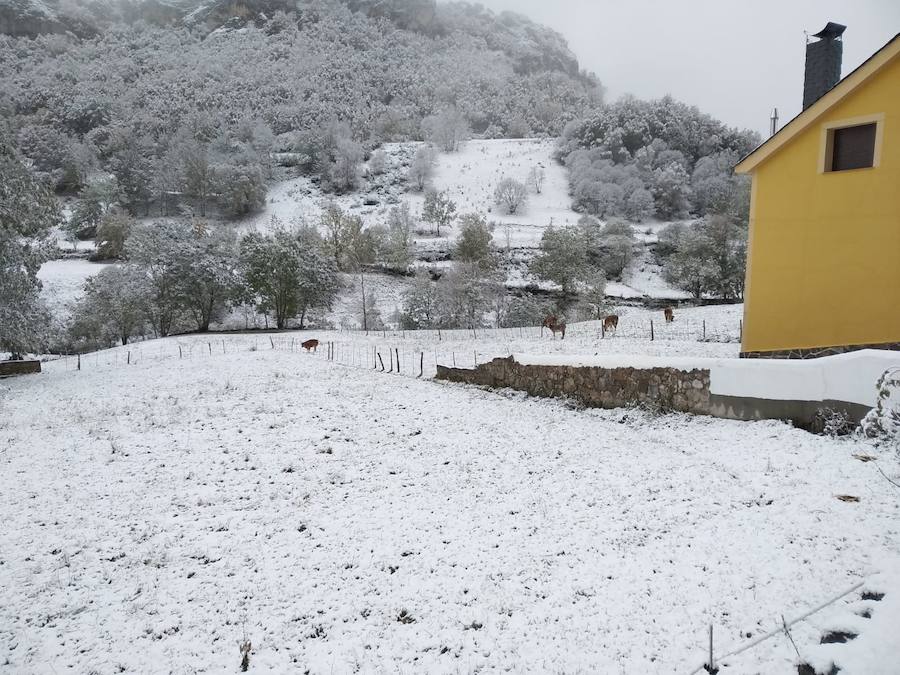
(323, 82)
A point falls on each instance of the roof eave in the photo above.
(806, 118)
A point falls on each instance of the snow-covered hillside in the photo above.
(343, 520)
(469, 177)
(63, 282)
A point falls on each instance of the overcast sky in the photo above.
(735, 59)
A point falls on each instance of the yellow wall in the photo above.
(824, 264)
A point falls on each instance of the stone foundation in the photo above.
(817, 352)
(662, 388)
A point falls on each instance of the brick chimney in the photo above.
(823, 63)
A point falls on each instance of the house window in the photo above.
(852, 147)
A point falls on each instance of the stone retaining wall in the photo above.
(10, 368)
(663, 388)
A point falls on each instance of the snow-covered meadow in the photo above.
(346, 520)
(63, 281)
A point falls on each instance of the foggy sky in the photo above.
(735, 59)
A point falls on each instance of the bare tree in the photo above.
(511, 195)
(422, 168)
(447, 129)
(536, 178)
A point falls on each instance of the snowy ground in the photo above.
(469, 178)
(344, 520)
(63, 281)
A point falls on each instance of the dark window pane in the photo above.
(853, 147)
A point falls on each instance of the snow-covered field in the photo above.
(345, 520)
(63, 281)
(469, 178)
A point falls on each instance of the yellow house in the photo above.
(823, 266)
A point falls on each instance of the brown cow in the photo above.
(310, 345)
(611, 322)
(669, 313)
(555, 326)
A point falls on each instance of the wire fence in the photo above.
(407, 353)
(628, 328)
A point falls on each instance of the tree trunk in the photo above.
(362, 283)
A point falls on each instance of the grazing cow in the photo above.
(611, 323)
(555, 326)
(669, 314)
(310, 345)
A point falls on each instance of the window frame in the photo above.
(826, 149)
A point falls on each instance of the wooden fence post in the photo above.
(179, 351)
(209, 344)
(391, 357)
(397, 352)
(651, 330)
(129, 357)
(421, 363)
(741, 329)
(380, 360)
(272, 342)
(79, 362)
(704, 330)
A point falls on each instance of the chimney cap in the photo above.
(831, 31)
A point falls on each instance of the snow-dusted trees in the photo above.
(241, 189)
(197, 172)
(378, 163)
(707, 257)
(27, 213)
(422, 167)
(344, 165)
(594, 293)
(286, 275)
(191, 273)
(511, 195)
(536, 178)
(473, 246)
(349, 243)
(633, 152)
(112, 232)
(615, 248)
(113, 307)
(464, 297)
(157, 251)
(421, 304)
(639, 205)
(671, 191)
(447, 129)
(130, 155)
(398, 246)
(562, 258)
(439, 210)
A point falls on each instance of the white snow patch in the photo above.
(167, 509)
